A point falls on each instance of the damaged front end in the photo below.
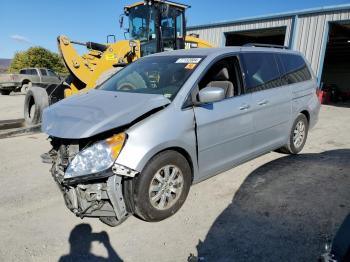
(92, 184)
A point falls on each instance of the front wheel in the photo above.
(162, 187)
(297, 136)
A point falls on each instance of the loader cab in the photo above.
(158, 25)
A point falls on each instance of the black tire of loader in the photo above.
(36, 97)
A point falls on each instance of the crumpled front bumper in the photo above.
(96, 198)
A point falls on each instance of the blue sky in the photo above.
(25, 23)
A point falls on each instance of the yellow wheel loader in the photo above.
(154, 26)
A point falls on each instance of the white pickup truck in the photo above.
(26, 78)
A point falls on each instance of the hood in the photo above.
(87, 114)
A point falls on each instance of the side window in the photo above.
(295, 67)
(226, 74)
(261, 71)
(23, 71)
(51, 73)
(33, 72)
(179, 22)
(43, 72)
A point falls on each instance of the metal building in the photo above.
(322, 35)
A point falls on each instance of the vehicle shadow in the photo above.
(286, 210)
(80, 240)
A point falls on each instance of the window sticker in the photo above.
(188, 60)
(190, 66)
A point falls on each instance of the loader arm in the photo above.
(195, 42)
(87, 68)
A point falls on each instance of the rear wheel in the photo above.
(297, 136)
(34, 103)
(162, 187)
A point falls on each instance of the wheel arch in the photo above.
(307, 114)
(181, 150)
(25, 81)
(184, 153)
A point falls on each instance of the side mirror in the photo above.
(211, 94)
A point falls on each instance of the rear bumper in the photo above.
(9, 85)
(314, 113)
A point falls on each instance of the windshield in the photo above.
(163, 75)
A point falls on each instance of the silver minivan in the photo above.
(136, 143)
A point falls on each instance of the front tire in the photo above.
(297, 136)
(162, 187)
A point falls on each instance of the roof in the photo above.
(161, 1)
(323, 9)
(219, 51)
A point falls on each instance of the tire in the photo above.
(176, 164)
(5, 92)
(26, 87)
(292, 147)
(35, 101)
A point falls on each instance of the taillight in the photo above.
(319, 94)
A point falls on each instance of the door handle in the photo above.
(263, 102)
(244, 107)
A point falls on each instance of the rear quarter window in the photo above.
(261, 71)
(295, 68)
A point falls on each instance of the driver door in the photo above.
(224, 128)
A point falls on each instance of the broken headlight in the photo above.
(96, 158)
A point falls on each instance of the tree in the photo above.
(37, 57)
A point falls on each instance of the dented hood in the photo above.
(87, 114)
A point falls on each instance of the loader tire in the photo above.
(36, 100)
(26, 87)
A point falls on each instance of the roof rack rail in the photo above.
(265, 45)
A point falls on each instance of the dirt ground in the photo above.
(274, 208)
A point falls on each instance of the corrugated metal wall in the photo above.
(309, 37)
(312, 34)
(215, 35)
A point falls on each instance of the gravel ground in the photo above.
(11, 107)
(274, 208)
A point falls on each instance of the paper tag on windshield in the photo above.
(188, 60)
